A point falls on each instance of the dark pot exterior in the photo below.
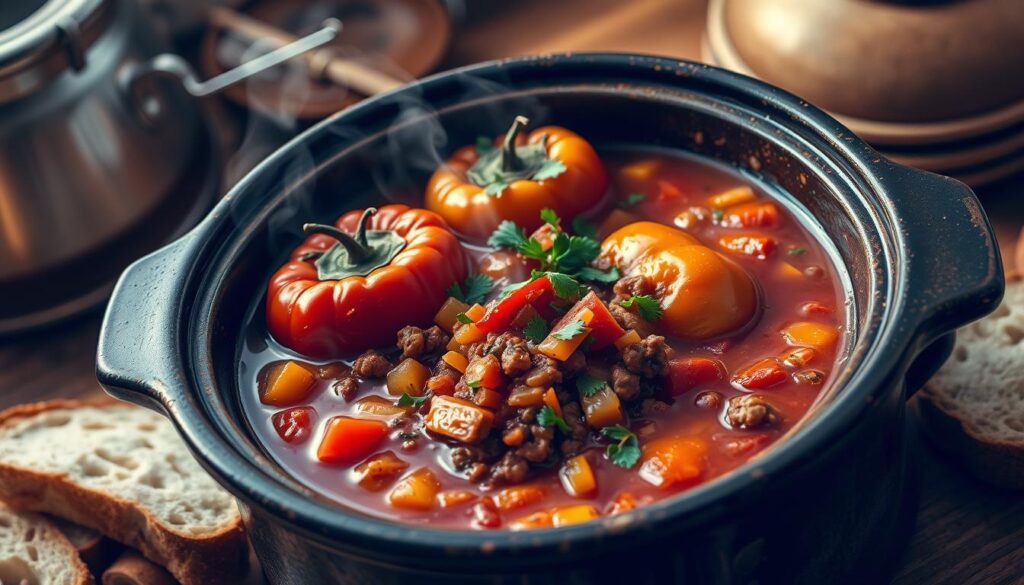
(826, 504)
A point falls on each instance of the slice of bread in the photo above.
(124, 471)
(95, 550)
(34, 552)
(974, 407)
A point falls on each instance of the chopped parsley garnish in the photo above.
(547, 418)
(565, 286)
(549, 170)
(796, 250)
(625, 451)
(508, 235)
(536, 330)
(589, 273)
(588, 385)
(570, 255)
(648, 306)
(569, 331)
(463, 318)
(633, 198)
(474, 384)
(477, 288)
(408, 400)
(549, 217)
(717, 215)
(582, 227)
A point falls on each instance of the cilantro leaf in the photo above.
(796, 250)
(582, 227)
(474, 384)
(588, 385)
(495, 188)
(569, 331)
(549, 170)
(536, 329)
(547, 417)
(532, 249)
(508, 235)
(478, 287)
(463, 318)
(625, 452)
(717, 215)
(408, 400)
(633, 198)
(591, 273)
(548, 216)
(512, 288)
(574, 254)
(566, 287)
(483, 145)
(648, 306)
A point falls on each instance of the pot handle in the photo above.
(137, 359)
(946, 290)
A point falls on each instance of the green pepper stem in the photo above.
(510, 162)
(358, 248)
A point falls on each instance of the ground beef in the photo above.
(347, 388)
(709, 400)
(415, 342)
(751, 411)
(512, 351)
(649, 358)
(651, 407)
(371, 364)
(575, 364)
(544, 372)
(625, 384)
(577, 435)
(633, 285)
(626, 318)
(510, 469)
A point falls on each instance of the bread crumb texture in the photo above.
(34, 552)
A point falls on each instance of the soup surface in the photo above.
(675, 387)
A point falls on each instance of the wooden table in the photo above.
(967, 533)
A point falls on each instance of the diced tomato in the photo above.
(485, 371)
(757, 246)
(687, 373)
(760, 214)
(760, 375)
(294, 425)
(350, 440)
(604, 329)
(674, 462)
(485, 514)
(545, 234)
(538, 293)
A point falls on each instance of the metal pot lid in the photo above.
(884, 61)
(40, 39)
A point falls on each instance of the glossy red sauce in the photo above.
(794, 276)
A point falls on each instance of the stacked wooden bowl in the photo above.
(936, 85)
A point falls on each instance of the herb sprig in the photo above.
(408, 400)
(625, 451)
(548, 418)
(588, 385)
(570, 330)
(536, 329)
(648, 306)
(477, 287)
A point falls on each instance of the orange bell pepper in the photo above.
(702, 293)
(555, 168)
(350, 440)
(674, 462)
(340, 294)
(286, 383)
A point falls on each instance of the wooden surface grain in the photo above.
(966, 534)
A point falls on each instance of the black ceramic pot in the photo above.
(824, 504)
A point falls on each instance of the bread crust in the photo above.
(995, 461)
(82, 576)
(219, 557)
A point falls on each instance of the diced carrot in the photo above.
(561, 349)
(812, 308)
(408, 377)
(545, 234)
(415, 491)
(476, 312)
(641, 170)
(522, 396)
(377, 406)
(551, 399)
(520, 496)
(687, 373)
(467, 334)
(350, 440)
(458, 419)
(734, 196)
(760, 375)
(456, 360)
(287, 383)
(760, 214)
(533, 521)
(294, 425)
(809, 334)
(797, 357)
(604, 329)
(623, 502)
(602, 408)
(452, 498)
(568, 515)
(750, 245)
(486, 371)
(577, 477)
(674, 462)
(447, 316)
(488, 398)
(379, 471)
(627, 339)
(454, 345)
(787, 271)
(617, 218)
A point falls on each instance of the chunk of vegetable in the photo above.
(456, 360)
(568, 515)
(350, 440)
(551, 399)
(560, 349)
(520, 496)
(798, 357)
(577, 477)
(750, 245)
(294, 425)
(458, 419)
(379, 471)
(484, 371)
(787, 271)
(447, 315)
(287, 383)
(674, 462)
(533, 521)
(604, 329)
(641, 170)
(734, 196)
(687, 373)
(623, 502)
(415, 491)
(377, 406)
(488, 398)
(526, 396)
(452, 498)
(627, 339)
(538, 294)
(760, 375)
(760, 214)
(809, 334)
(602, 408)
(667, 191)
(811, 308)
(744, 445)
(467, 334)
(408, 377)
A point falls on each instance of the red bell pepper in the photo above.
(539, 293)
(604, 329)
(685, 374)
